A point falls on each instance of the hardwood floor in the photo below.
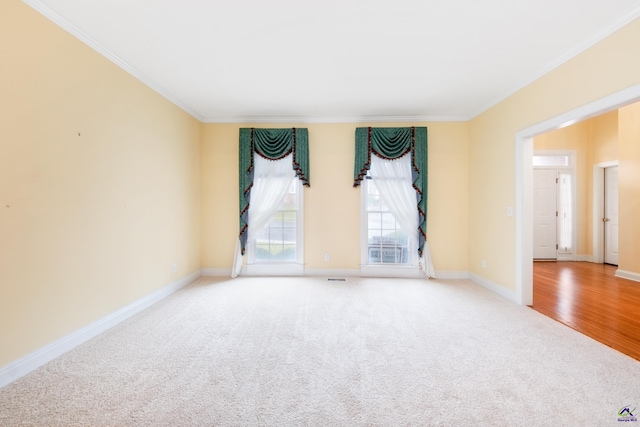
(589, 298)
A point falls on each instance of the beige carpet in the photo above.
(311, 352)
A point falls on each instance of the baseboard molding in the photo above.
(33, 361)
(628, 275)
(216, 272)
(452, 275)
(494, 287)
(322, 272)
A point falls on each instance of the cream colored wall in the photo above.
(629, 188)
(574, 138)
(99, 185)
(603, 137)
(607, 67)
(331, 204)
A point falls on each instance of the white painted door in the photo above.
(544, 214)
(611, 215)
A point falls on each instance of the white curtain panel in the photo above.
(394, 180)
(271, 181)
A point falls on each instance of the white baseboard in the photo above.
(628, 275)
(321, 272)
(494, 287)
(33, 361)
(452, 275)
(216, 272)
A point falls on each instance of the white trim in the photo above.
(66, 25)
(628, 275)
(321, 272)
(451, 275)
(272, 270)
(38, 358)
(333, 119)
(524, 185)
(494, 287)
(216, 272)
(586, 44)
(411, 272)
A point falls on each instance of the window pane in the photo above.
(388, 221)
(375, 220)
(560, 160)
(375, 237)
(277, 242)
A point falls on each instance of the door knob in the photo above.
(605, 219)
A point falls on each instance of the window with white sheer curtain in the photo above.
(390, 213)
(275, 213)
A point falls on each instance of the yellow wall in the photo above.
(603, 138)
(331, 204)
(605, 68)
(99, 185)
(629, 188)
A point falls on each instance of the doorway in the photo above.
(524, 181)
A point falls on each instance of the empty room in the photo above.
(314, 213)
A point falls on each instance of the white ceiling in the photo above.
(338, 60)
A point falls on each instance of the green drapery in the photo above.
(273, 144)
(392, 143)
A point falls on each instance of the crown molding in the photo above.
(575, 51)
(337, 119)
(66, 25)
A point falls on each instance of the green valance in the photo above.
(392, 143)
(273, 144)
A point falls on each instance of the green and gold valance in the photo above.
(390, 144)
(273, 144)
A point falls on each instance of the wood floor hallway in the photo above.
(589, 298)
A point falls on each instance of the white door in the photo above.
(544, 214)
(611, 215)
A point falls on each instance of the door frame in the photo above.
(598, 209)
(524, 179)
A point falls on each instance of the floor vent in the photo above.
(334, 279)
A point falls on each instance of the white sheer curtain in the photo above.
(271, 181)
(394, 180)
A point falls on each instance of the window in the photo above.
(280, 240)
(386, 242)
(274, 165)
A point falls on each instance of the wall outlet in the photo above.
(483, 264)
(326, 257)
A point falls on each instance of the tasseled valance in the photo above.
(273, 144)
